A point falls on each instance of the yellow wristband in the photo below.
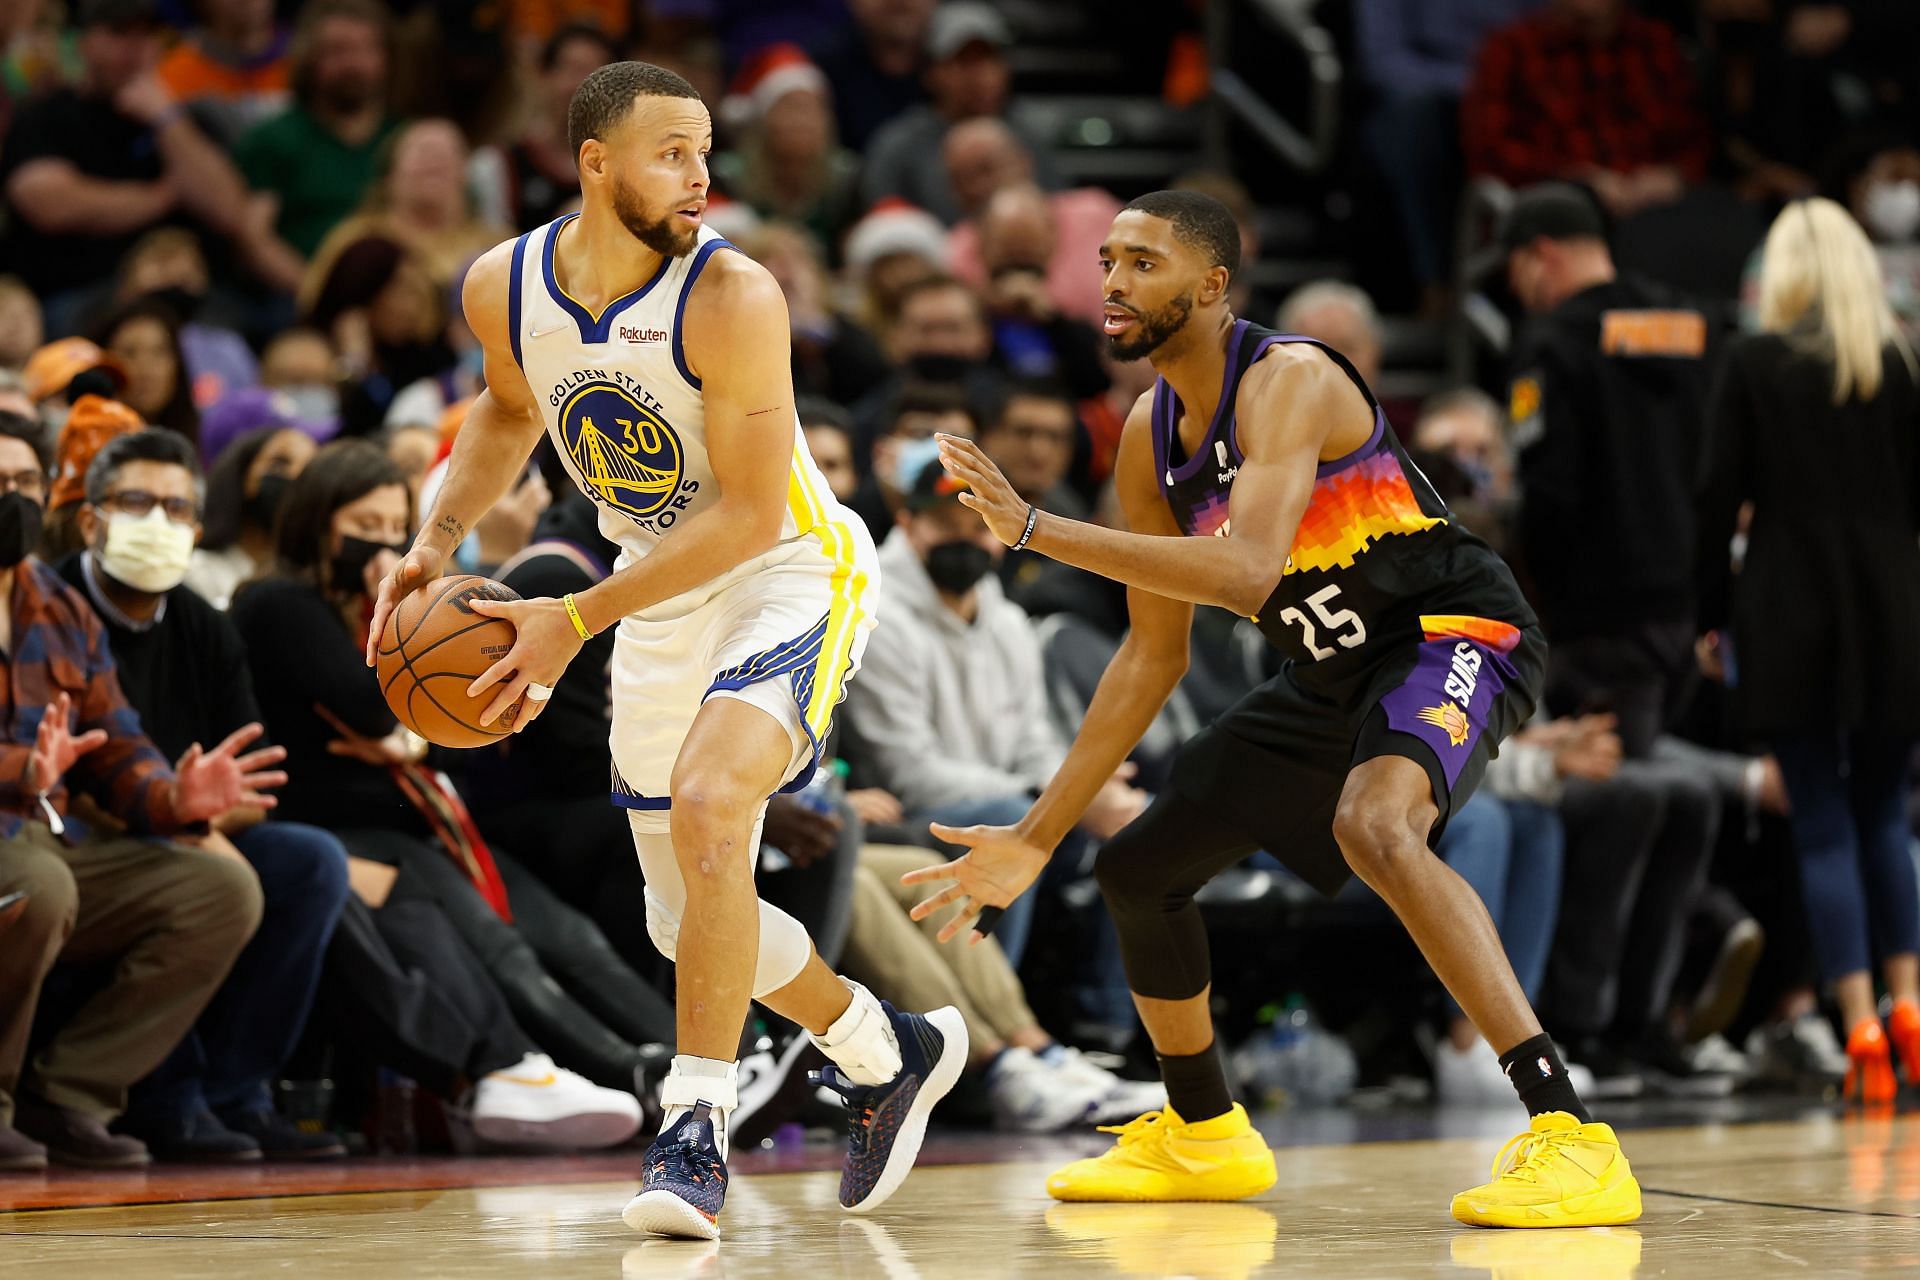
(573, 612)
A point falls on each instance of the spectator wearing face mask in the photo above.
(180, 664)
(941, 336)
(358, 773)
(918, 412)
(249, 478)
(949, 713)
(169, 918)
(93, 421)
(1877, 176)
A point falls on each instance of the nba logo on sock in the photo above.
(1546, 1068)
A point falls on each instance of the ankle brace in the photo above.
(861, 1041)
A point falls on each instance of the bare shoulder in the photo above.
(1136, 440)
(732, 289)
(1295, 388)
(1292, 370)
(483, 294)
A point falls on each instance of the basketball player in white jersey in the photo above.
(656, 358)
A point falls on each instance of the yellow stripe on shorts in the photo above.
(846, 610)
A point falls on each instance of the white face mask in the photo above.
(148, 553)
(1892, 210)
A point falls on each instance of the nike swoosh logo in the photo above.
(541, 333)
(536, 1082)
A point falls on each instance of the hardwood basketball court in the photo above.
(1818, 1195)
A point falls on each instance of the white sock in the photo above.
(861, 1040)
(691, 1081)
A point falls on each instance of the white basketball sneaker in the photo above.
(1031, 1096)
(536, 1104)
(1116, 1098)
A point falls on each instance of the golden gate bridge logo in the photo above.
(626, 454)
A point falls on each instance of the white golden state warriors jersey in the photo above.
(628, 419)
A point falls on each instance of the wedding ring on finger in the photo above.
(538, 692)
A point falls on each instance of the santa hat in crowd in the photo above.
(894, 226)
(768, 76)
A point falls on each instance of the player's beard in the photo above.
(658, 234)
(1151, 329)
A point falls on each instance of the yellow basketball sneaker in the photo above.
(1559, 1173)
(1162, 1157)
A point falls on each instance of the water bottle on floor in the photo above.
(822, 794)
(1295, 1060)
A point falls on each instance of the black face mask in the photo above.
(185, 303)
(20, 518)
(264, 505)
(956, 566)
(939, 368)
(348, 568)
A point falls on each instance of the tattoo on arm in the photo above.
(769, 409)
(451, 527)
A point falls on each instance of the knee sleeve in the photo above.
(784, 945)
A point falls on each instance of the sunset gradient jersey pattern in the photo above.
(1375, 548)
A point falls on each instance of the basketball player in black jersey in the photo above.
(1260, 475)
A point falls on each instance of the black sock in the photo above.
(1540, 1078)
(1196, 1084)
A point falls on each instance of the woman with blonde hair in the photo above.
(1815, 422)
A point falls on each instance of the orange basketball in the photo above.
(434, 646)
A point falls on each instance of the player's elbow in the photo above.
(756, 532)
(1246, 592)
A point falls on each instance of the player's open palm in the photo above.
(997, 868)
(416, 569)
(1004, 510)
(56, 747)
(208, 783)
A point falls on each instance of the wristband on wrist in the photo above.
(1033, 518)
(573, 616)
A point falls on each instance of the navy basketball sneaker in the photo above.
(685, 1182)
(886, 1122)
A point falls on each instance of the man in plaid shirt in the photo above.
(1591, 92)
(170, 918)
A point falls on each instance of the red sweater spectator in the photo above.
(1591, 92)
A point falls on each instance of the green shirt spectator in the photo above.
(310, 166)
(318, 177)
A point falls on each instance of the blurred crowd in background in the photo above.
(1636, 283)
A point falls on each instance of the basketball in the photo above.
(433, 647)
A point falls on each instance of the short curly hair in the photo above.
(1198, 220)
(606, 96)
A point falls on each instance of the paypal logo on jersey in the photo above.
(626, 454)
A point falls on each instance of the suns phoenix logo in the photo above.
(1449, 718)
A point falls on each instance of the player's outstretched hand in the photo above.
(416, 569)
(997, 868)
(1004, 510)
(544, 642)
